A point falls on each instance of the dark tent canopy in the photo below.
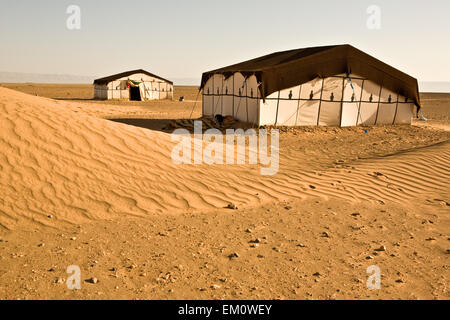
(127, 74)
(288, 69)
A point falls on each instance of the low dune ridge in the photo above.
(60, 165)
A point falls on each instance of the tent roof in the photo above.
(126, 74)
(287, 69)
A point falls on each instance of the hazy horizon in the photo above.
(184, 39)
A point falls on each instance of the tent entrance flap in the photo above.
(135, 94)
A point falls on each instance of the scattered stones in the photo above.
(288, 208)
(448, 251)
(312, 187)
(381, 249)
(317, 274)
(325, 235)
(260, 256)
(60, 280)
(400, 281)
(356, 214)
(276, 249)
(301, 245)
(231, 206)
(73, 238)
(257, 240)
(40, 245)
(92, 280)
(215, 287)
(369, 258)
(431, 239)
(234, 255)
(249, 231)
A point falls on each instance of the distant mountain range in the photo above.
(17, 77)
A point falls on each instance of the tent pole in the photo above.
(246, 98)
(320, 103)
(298, 104)
(360, 103)
(258, 105)
(396, 110)
(221, 96)
(233, 96)
(379, 101)
(278, 106)
(342, 101)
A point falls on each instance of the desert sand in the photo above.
(79, 189)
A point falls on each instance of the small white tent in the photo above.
(323, 86)
(136, 85)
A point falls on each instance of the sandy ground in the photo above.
(77, 189)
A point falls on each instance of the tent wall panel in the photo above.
(311, 89)
(332, 89)
(326, 102)
(228, 91)
(386, 113)
(218, 80)
(349, 114)
(368, 113)
(355, 93)
(267, 112)
(405, 113)
(330, 113)
(371, 92)
(307, 113)
(291, 93)
(240, 100)
(208, 99)
(287, 112)
(388, 96)
(252, 100)
(163, 90)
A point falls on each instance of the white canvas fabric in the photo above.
(252, 93)
(150, 88)
(334, 101)
(228, 92)
(240, 99)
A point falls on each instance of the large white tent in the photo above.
(137, 85)
(324, 86)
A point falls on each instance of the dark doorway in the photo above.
(135, 94)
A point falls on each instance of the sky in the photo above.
(184, 38)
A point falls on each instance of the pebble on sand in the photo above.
(92, 280)
(231, 206)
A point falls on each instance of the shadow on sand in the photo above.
(151, 124)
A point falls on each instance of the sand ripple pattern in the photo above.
(59, 166)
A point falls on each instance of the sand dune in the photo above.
(61, 166)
